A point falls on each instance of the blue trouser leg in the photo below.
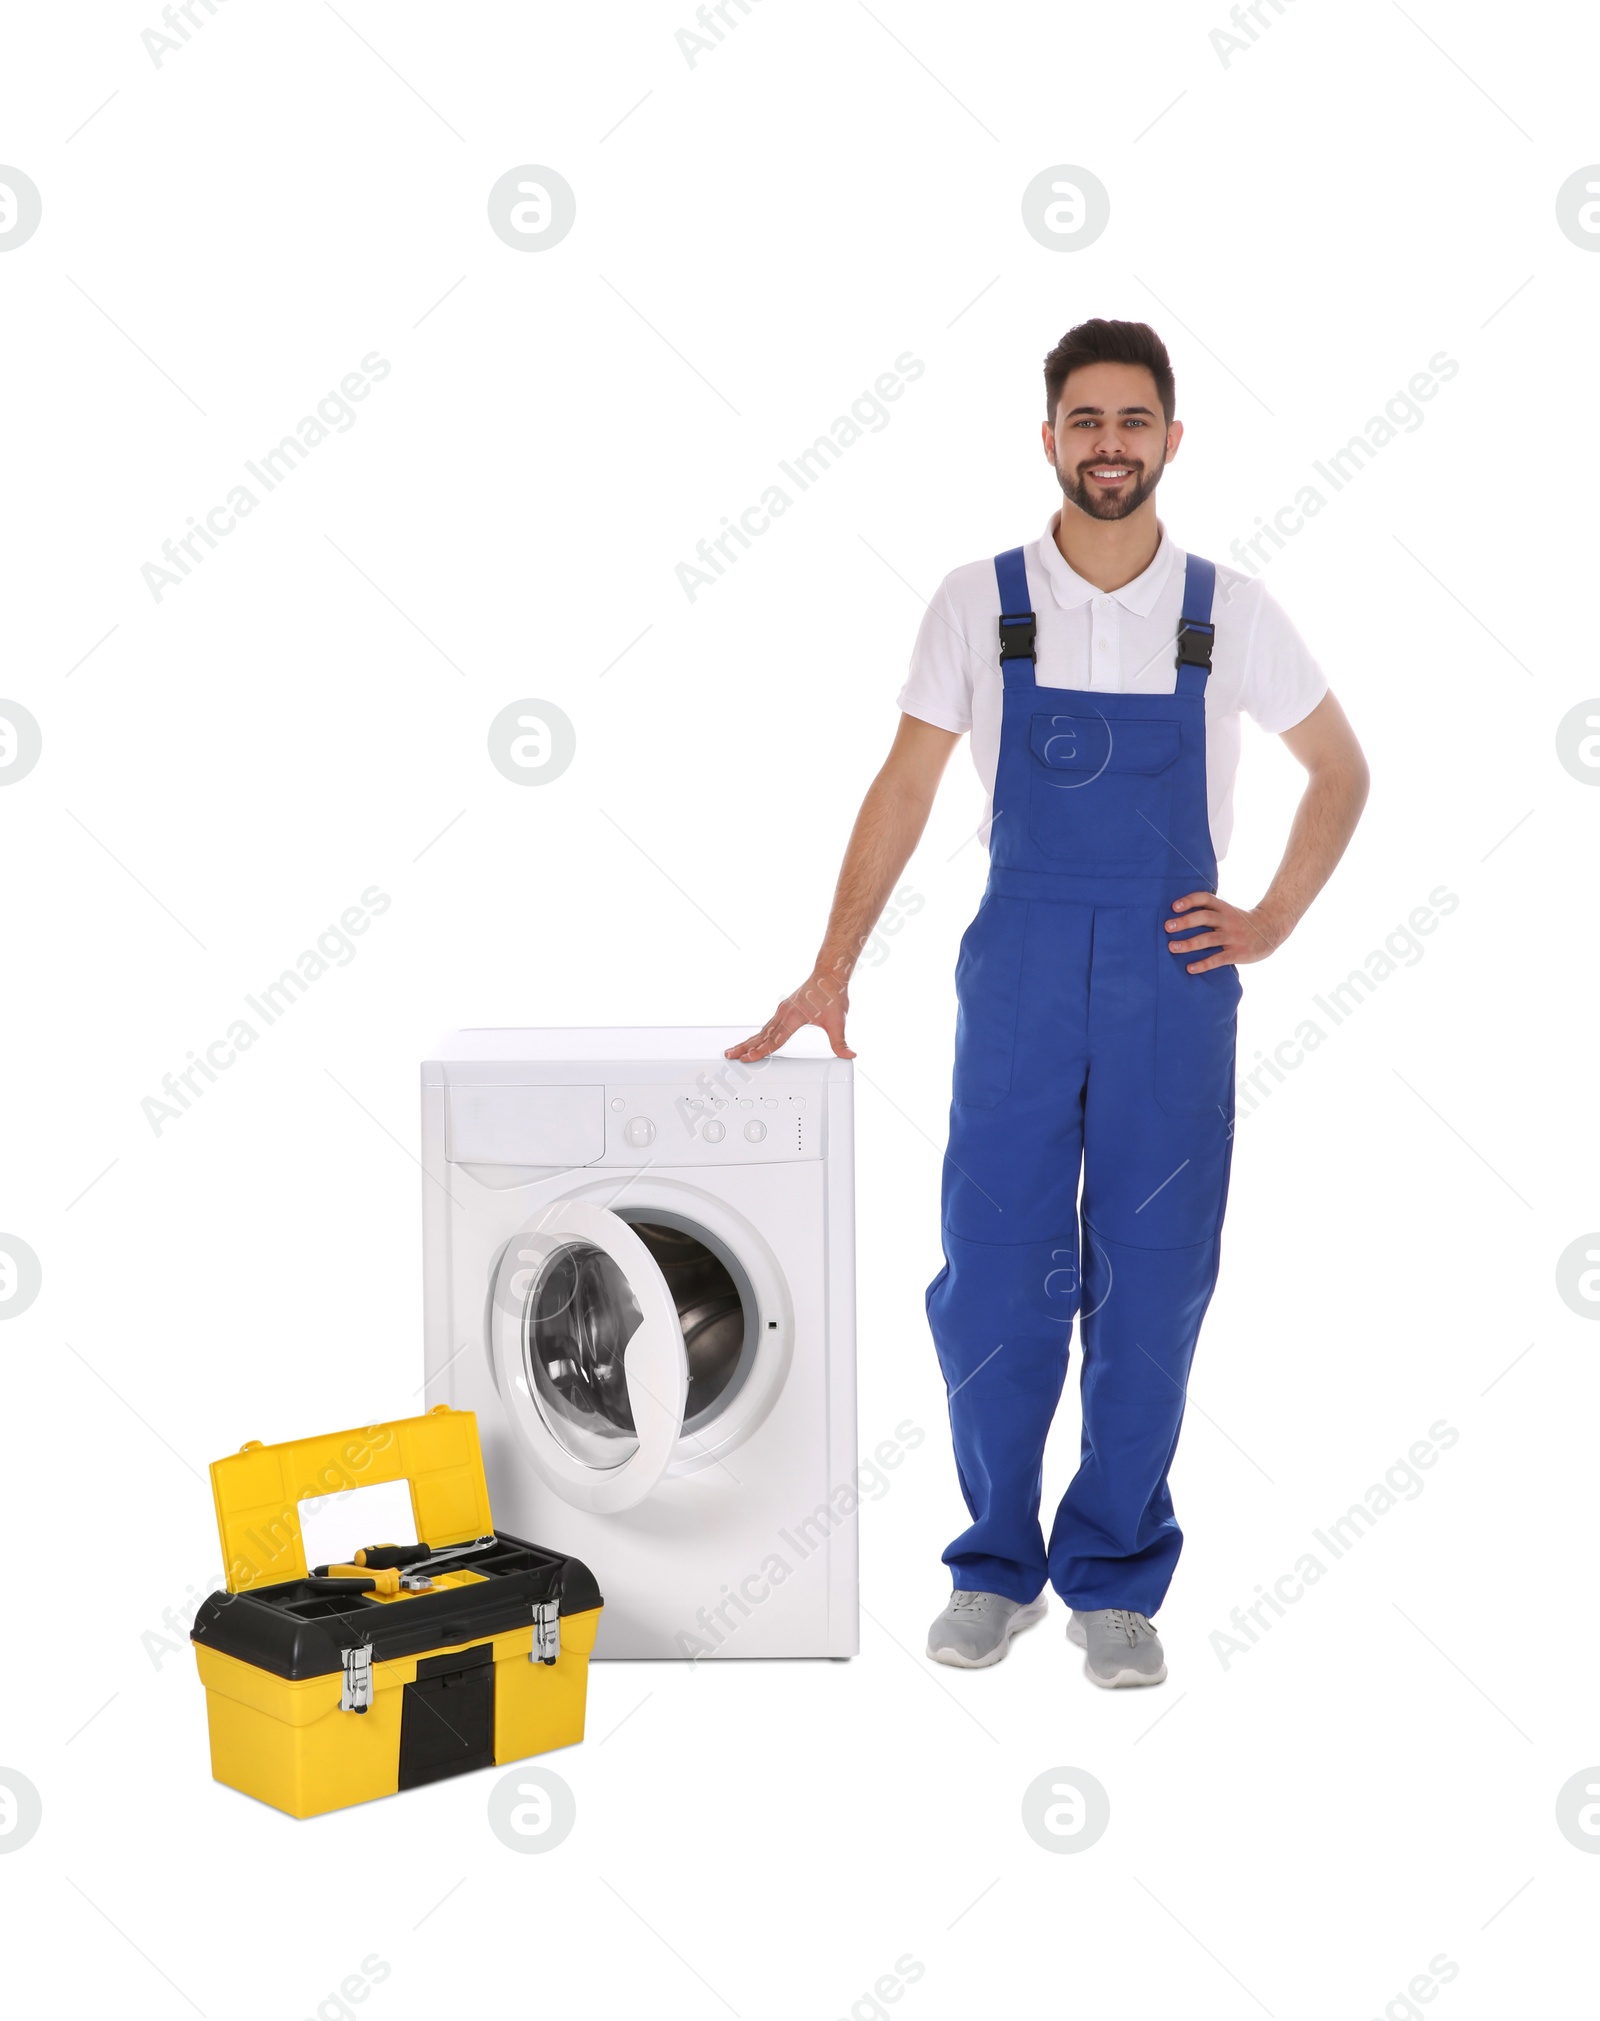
(1074, 1039)
(1001, 1309)
(1001, 1316)
(1115, 1541)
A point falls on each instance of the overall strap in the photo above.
(1018, 625)
(1195, 629)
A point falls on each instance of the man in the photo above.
(1102, 673)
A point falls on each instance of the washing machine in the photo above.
(639, 1272)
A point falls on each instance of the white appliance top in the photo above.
(597, 1044)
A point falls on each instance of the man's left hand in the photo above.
(1225, 934)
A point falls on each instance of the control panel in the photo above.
(715, 1119)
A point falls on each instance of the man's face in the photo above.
(1110, 442)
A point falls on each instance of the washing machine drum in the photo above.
(710, 1311)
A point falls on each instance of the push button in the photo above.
(755, 1130)
(639, 1131)
(713, 1133)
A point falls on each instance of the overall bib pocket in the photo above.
(1100, 791)
(1196, 1022)
(988, 990)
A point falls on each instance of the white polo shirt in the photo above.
(1122, 640)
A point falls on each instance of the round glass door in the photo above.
(580, 1315)
(588, 1355)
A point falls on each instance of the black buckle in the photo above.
(1017, 635)
(1194, 643)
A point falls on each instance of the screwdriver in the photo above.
(386, 1568)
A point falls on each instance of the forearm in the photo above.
(888, 828)
(1323, 823)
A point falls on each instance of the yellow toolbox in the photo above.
(331, 1685)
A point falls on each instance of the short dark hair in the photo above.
(1100, 341)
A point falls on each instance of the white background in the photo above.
(226, 770)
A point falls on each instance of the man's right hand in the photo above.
(822, 1000)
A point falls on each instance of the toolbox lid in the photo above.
(258, 1490)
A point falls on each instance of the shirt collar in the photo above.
(1070, 589)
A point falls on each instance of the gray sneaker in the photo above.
(1123, 1648)
(975, 1630)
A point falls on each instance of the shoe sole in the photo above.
(1124, 1677)
(1025, 1617)
(1080, 1639)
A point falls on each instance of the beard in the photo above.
(1114, 505)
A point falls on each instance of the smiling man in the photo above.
(1102, 673)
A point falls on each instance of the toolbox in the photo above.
(333, 1684)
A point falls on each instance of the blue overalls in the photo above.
(1081, 1040)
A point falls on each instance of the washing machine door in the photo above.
(589, 1355)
